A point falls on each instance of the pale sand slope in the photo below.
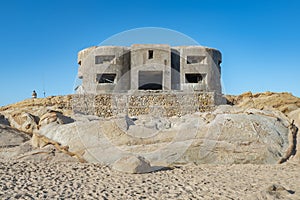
(25, 180)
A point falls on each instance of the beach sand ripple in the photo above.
(33, 180)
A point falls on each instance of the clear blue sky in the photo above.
(40, 39)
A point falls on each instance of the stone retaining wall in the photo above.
(144, 102)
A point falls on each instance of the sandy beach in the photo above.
(32, 180)
(37, 166)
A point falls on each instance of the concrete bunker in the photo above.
(105, 69)
(150, 80)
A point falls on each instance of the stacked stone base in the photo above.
(145, 103)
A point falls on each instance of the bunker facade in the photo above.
(117, 69)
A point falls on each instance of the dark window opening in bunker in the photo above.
(150, 80)
(106, 78)
(193, 78)
(150, 54)
(195, 59)
(104, 59)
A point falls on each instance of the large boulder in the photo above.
(27, 122)
(226, 136)
(25, 115)
(53, 116)
(249, 136)
(284, 102)
(24, 121)
(13, 142)
(39, 106)
(133, 165)
(10, 137)
(16, 145)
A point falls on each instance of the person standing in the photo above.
(34, 94)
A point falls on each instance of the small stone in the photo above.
(133, 165)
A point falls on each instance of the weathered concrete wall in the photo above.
(119, 66)
(214, 81)
(159, 61)
(144, 102)
(82, 55)
(208, 67)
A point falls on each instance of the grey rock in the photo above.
(12, 142)
(24, 121)
(54, 117)
(10, 137)
(132, 164)
(3, 120)
(217, 138)
(16, 145)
